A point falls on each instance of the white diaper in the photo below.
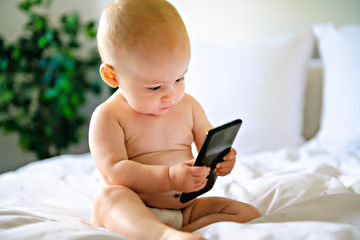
(171, 217)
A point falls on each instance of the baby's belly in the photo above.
(168, 199)
(164, 200)
(165, 157)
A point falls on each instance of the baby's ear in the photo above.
(107, 73)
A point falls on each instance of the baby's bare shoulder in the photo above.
(190, 100)
(103, 113)
(109, 110)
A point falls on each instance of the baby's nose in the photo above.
(169, 96)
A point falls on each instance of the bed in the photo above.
(298, 150)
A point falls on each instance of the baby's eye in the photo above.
(178, 80)
(155, 88)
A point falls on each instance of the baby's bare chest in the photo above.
(150, 135)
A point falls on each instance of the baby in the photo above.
(140, 138)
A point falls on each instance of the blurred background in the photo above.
(257, 20)
(222, 21)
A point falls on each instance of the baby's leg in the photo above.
(122, 211)
(205, 211)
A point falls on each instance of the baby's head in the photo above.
(142, 41)
(142, 27)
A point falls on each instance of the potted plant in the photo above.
(44, 80)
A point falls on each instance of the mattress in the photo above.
(302, 193)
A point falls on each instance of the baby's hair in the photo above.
(112, 24)
(119, 26)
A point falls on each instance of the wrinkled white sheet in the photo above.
(303, 193)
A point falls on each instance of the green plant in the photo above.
(44, 81)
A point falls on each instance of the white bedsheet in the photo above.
(303, 193)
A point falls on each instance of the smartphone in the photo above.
(217, 144)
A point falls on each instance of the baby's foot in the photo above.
(173, 234)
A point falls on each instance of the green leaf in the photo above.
(74, 44)
(76, 100)
(25, 140)
(4, 64)
(49, 131)
(90, 30)
(42, 42)
(39, 24)
(6, 96)
(25, 5)
(68, 113)
(16, 53)
(65, 84)
(50, 94)
(48, 77)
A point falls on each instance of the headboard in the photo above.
(313, 98)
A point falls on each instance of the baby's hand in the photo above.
(186, 178)
(225, 167)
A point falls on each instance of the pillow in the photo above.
(262, 83)
(339, 49)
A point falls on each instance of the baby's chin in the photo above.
(156, 112)
(160, 112)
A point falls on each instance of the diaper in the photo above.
(171, 217)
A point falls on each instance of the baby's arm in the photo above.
(201, 124)
(201, 127)
(107, 145)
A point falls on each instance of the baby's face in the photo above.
(152, 80)
(148, 47)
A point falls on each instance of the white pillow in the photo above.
(261, 83)
(340, 52)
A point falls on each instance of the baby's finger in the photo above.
(225, 164)
(232, 154)
(200, 171)
(200, 185)
(199, 181)
(223, 171)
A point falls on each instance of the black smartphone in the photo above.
(216, 145)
